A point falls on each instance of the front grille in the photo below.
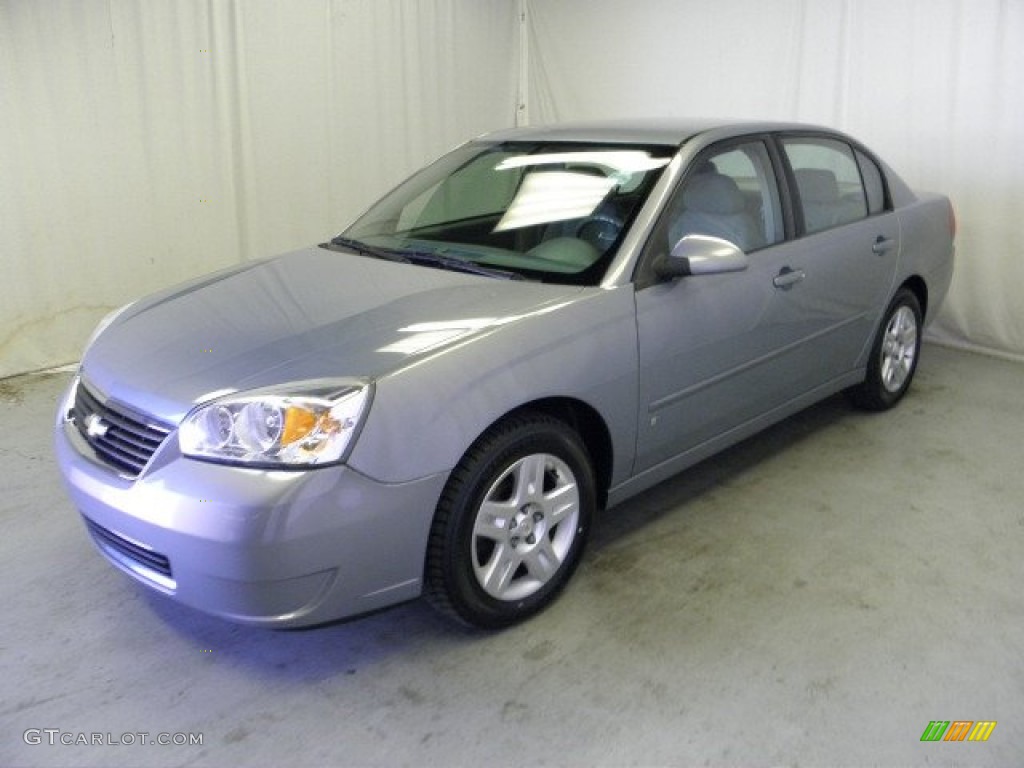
(136, 553)
(121, 438)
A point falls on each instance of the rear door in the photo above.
(847, 249)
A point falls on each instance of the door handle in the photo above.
(882, 245)
(788, 277)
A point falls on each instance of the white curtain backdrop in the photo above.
(142, 143)
(934, 86)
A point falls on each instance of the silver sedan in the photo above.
(541, 324)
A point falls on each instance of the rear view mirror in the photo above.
(702, 255)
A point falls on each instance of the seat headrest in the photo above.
(713, 193)
(817, 185)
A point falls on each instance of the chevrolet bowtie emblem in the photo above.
(94, 426)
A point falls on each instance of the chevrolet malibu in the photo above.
(539, 325)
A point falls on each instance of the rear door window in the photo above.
(828, 182)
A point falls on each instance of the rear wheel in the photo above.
(511, 524)
(894, 355)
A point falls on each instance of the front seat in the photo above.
(713, 205)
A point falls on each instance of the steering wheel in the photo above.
(601, 229)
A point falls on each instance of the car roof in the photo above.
(658, 131)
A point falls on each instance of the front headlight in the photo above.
(297, 425)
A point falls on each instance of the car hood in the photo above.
(310, 314)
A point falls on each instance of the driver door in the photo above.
(720, 352)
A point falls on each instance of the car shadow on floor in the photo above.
(721, 469)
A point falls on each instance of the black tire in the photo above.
(894, 355)
(502, 547)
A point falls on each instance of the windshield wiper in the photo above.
(427, 258)
(367, 250)
(433, 259)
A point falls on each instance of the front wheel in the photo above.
(511, 524)
(894, 355)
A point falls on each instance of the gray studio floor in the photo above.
(816, 596)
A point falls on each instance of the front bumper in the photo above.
(264, 547)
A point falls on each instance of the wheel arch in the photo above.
(916, 285)
(586, 422)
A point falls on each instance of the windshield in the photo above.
(544, 211)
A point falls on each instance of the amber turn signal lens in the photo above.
(298, 422)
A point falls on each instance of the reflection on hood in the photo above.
(309, 314)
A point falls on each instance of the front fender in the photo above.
(426, 415)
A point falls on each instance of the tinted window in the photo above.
(828, 182)
(546, 211)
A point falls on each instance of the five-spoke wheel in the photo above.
(899, 349)
(893, 355)
(525, 527)
(512, 522)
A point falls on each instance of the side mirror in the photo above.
(702, 255)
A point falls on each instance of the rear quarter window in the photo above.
(874, 187)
